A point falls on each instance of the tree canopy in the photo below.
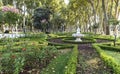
(87, 12)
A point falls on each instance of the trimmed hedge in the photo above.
(105, 38)
(72, 40)
(57, 65)
(111, 48)
(63, 64)
(108, 59)
(60, 46)
(72, 62)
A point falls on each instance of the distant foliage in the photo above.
(10, 13)
(114, 21)
(41, 19)
(10, 9)
(1, 17)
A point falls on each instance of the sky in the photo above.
(66, 1)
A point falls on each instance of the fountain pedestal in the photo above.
(78, 35)
(78, 39)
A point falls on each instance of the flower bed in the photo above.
(109, 58)
(84, 40)
(25, 61)
(60, 46)
(25, 55)
(109, 47)
(70, 68)
(64, 64)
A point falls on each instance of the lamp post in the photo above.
(115, 35)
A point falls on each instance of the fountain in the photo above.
(78, 35)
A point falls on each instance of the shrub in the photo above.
(63, 64)
(108, 47)
(72, 40)
(110, 61)
(70, 68)
(30, 58)
(57, 65)
(12, 63)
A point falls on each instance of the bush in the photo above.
(37, 58)
(108, 47)
(63, 64)
(60, 46)
(108, 59)
(12, 63)
(72, 40)
(57, 65)
(72, 62)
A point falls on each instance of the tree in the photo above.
(1, 3)
(1, 17)
(11, 14)
(58, 23)
(41, 19)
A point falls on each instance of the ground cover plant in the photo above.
(42, 54)
(26, 55)
(63, 64)
(43, 36)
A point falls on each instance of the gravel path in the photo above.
(89, 61)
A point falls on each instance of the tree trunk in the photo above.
(105, 20)
(116, 8)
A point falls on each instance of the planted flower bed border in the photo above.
(72, 40)
(110, 47)
(108, 59)
(63, 64)
(60, 46)
(17, 61)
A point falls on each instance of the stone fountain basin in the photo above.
(84, 40)
(77, 35)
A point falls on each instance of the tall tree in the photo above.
(105, 20)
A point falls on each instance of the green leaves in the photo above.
(11, 17)
(109, 57)
(114, 21)
(1, 16)
(9, 14)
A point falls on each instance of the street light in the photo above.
(115, 35)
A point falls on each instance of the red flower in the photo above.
(13, 56)
(23, 49)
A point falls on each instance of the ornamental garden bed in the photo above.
(35, 55)
(30, 55)
(90, 62)
(110, 46)
(84, 40)
(110, 56)
(28, 59)
(25, 55)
